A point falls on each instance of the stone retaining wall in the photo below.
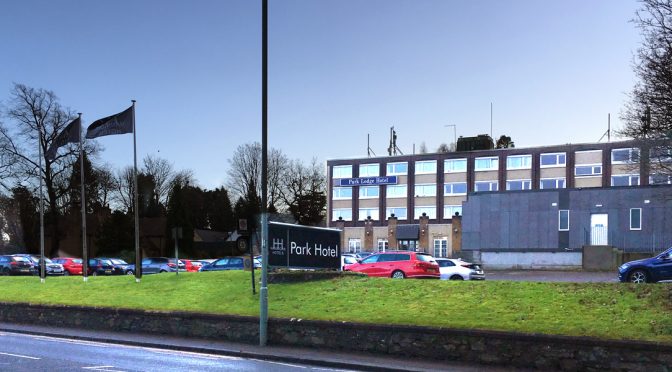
(487, 347)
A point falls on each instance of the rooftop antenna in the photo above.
(368, 146)
(608, 132)
(490, 119)
(393, 149)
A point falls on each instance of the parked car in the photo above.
(16, 265)
(347, 259)
(101, 266)
(157, 265)
(192, 265)
(456, 269)
(72, 266)
(398, 265)
(120, 266)
(226, 263)
(363, 255)
(51, 268)
(648, 270)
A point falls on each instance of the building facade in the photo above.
(461, 201)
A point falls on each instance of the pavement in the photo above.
(305, 356)
(553, 276)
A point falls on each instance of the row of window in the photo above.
(440, 246)
(460, 188)
(399, 212)
(635, 219)
(491, 163)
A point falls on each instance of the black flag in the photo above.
(120, 123)
(69, 135)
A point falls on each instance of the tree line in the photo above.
(32, 118)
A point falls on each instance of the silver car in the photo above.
(456, 269)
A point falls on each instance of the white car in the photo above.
(347, 259)
(456, 269)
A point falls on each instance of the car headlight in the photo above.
(623, 267)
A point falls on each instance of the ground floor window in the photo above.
(354, 245)
(450, 210)
(408, 245)
(383, 245)
(441, 247)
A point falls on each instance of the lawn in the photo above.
(603, 310)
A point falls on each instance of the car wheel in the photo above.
(456, 277)
(162, 271)
(638, 276)
(95, 273)
(66, 273)
(398, 274)
(5, 271)
(129, 272)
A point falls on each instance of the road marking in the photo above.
(283, 364)
(102, 368)
(21, 356)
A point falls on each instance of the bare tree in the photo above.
(162, 171)
(245, 171)
(38, 119)
(303, 191)
(124, 181)
(423, 148)
(648, 114)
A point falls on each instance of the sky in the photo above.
(339, 70)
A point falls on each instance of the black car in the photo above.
(649, 270)
(16, 265)
(225, 263)
(101, 266)
(157, 265)
(120, 266)
(50, 267)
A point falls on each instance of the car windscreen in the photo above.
(117, 261)
(20, 259)
(106, 262)
(445, 263)
(77, 261)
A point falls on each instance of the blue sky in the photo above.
(338, 69)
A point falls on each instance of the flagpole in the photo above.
(85, 251)
(138, 259)
(39, 150)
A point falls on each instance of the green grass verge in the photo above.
(603, 310)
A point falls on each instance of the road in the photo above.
(39, 353)
(553, 276)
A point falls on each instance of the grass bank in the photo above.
(603, 310)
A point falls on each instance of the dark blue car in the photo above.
(226, 263)
(649, 270)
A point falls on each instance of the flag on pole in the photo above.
(69, 135)
(120, 123)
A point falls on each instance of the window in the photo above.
(371, 259)
(369, 192)
(397, 191)
(354, 245)
(430, 211)
(622, 156)
(440, 247)
(588, 170)
(563, 220)
(455, 165)
(486, 164)
(397, 169)
(660, 179)
(383, 245)
(346, 213)
(364, 213)
(661, 154)
(519, 162)
(635, 218)
(342, 192)
(519, 185)
(425, 167)
(482, 186)
(428, 189)
(450, 210)
(369, 170)
(552, 183)
(458, 188)
(625, 180)
(400, 213)
(343, 171)
(408, 245)
(553, 159)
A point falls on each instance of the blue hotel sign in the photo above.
(366, 181)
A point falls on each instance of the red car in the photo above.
(398, 265)
(72, 266)
(192, 265)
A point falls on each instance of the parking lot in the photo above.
(553, 276)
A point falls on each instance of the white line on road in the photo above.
(102, 368)
(98, 367)
(282, 364)
(21, 356)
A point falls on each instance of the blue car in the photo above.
(226, 263)
(648, 270)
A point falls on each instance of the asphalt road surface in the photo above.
(553, 276)
(39, 353)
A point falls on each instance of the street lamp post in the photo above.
(454, 132)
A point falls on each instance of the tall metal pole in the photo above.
(39, 151)
(85, 251)
(138, 259)
(490, 119)
(263, 291)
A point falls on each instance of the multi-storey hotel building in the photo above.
(510, 207)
